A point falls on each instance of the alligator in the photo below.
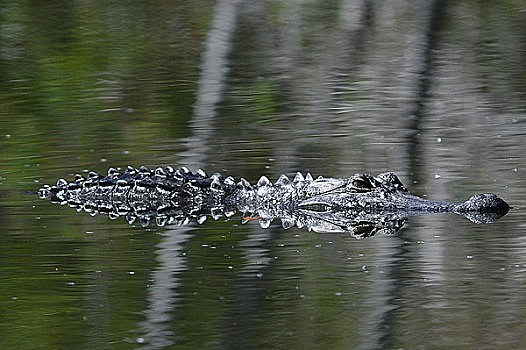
(361, 205)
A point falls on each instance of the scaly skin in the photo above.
(362, 204)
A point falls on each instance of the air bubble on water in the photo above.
(139, 340)
(469, 256)
(437, 176)
(338, 294)
(131, 272)
(103, 160)
(439, 139)
(259, 275)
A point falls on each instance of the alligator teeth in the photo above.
(309, 177)
(61, 183)
(298, 178)
(263, 181)
(283, 180)
(200, 172)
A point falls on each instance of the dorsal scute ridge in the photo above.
(145, 170)
(131, 170)
(113, 172)
(244, 184)
(160, 172)
(263, 181)
(282, 180)
(298, 178)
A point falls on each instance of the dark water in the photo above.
(432, 90)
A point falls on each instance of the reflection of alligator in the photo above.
(362, 204)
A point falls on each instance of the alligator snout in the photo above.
(485, 203)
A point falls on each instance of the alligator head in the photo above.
(385, 193)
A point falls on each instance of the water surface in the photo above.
(433, 90)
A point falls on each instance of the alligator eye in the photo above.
(362, 183)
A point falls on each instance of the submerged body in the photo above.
(322, 204)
